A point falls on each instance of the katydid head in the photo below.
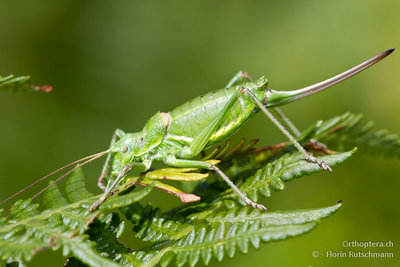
(133, 146)
(277, 98)
(125, 150)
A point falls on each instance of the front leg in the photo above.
(141, 166)
(110, 188)
(100, 182)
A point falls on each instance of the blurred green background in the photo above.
(115, 63)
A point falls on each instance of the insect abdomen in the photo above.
(189, 119)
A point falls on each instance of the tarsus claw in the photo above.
(325, 166)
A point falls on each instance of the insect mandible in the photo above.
(176, 138)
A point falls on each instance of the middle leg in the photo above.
(183, 163)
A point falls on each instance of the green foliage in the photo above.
(20, 84)
(62, 224)
(286, 168)
(208, 235)
(348, 130)
(216, 227)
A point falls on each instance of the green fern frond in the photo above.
(349, 130)
(105, 233)
(225, 233)
(20, 84)
(27, 233)
(125, 200)
(250, 215)
(149, 223)
(75, 187)
(286, 168)
(62, 224)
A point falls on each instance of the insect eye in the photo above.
(124, 149)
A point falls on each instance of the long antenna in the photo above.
(277, 98)
(97, 155)
(68, 172)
